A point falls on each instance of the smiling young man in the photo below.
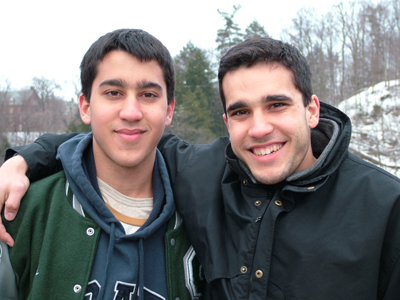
(102, 228)
(280, 209)
(269, 125)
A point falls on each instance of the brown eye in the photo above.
(239, 112)
(149, 95)
(275, 105)
(113, 93)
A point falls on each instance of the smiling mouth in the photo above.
(267, 150)
(130, 131)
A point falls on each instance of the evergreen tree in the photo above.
(255, 29)
(78, 126)
(4, 144)
(194, 68)
(75, 123)
(195, 93)
(231, 34)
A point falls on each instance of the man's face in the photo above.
(269, 126)
(128, 111)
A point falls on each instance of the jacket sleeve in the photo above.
(8, 284)
(176, 153)
(41, 154)
(393, 290)
(389, 280)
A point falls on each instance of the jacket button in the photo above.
(259, 273)
(77, 288)
(243, 269)
(244, 181)
(172, 242)
(90, 231)
(278, 202)
(257, 203)
(310, 188)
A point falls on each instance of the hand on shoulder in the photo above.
(13, 185)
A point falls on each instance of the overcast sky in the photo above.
(49, 38)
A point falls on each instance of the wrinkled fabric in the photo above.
(331, 231)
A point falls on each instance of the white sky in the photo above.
(49, 38)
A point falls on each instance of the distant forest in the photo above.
(354, 46)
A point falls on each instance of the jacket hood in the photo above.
(329, 139)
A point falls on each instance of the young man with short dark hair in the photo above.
(102, 228)
(281, 209)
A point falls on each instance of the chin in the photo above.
(269, 181)
(265, 179)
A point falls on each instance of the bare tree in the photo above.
(45, 89)
(301, 33)
(377, 20)
(354, 25)
(330, 42)
(394, 40)
(5, 87)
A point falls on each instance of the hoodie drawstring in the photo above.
(109, 255)
(141, 270)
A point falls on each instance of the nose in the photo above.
(131, 110)
(260, 126)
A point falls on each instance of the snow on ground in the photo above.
(375, 116)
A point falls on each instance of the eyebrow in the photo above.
(123, 84)
(235, 106)
(114, 82)
(148, 84)
(277, 97)
(270, 98)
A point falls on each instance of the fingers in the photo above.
(16, 191)
(4, 236)
(13, 186)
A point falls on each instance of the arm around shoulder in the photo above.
(13, 185)
(39, 158)
(41, 154)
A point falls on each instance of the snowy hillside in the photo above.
(375, 116)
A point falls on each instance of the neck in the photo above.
(135, 182)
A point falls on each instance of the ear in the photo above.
(226, 121)
(84, 108)
(313, 112)
(170, 113)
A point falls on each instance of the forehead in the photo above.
(260, 78)
(123, 65)
(265, 69)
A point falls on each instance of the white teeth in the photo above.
(266, 151)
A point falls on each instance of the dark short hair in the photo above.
(266, 50)
(140, 44)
